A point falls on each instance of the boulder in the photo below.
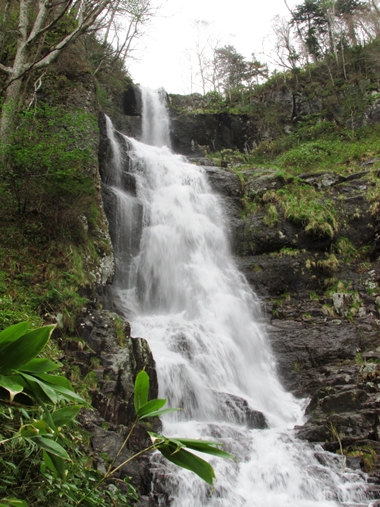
(238, 411)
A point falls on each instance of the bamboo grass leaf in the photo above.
(141, 390)
(40, 365)
(12, 333)
(64, 415)
(56, 464)
(51, 446)
(19, 352)
(189, 461)
(158, 413)
(150, 406)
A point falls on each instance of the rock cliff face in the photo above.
(192, 135)
(117, 358)
(327, 342)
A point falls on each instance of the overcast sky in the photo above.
(242, 23)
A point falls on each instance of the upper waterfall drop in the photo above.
(212, 354)
(155, 118)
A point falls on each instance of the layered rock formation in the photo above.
(327, 344)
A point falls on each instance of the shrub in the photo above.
(46, 170)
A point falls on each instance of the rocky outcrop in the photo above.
(191, 134)
(110, 361)
(197, 134)
(237, 410)
(322, 303)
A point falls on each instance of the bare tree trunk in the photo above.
(113, 13)
(9, 109)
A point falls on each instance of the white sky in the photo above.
(243, 23)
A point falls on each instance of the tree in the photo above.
(231, 69)
(346, 10)
(312, 25)
(201, 57)
(39, 42)
(287, 55)
(123, 26)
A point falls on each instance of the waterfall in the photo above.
(154, 112)
(181, 290)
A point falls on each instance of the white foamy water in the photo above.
(183, 293)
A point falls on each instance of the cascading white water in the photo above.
(203, 324)
(154, 112)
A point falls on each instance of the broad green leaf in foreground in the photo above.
(64, 415)
(12, 333)
(158, 413)
(141, 390)
(55, 463)
(11, 385)
(13, 502)
(11, 391)
(37, 385)
(185, 459)
(205, 446)
(63, 387)
(174, 449)
(19, 352)
(40, 365)
(150, 406)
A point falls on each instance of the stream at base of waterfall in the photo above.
(182, 292)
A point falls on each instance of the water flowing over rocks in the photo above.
(321, 354)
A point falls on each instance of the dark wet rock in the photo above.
(224, 182)
(204, 161)
(369, 162)
(119, 357)
(322, 180)
(257, 184)
(106, 443)
(196, 134)
(131, 101)
(346, 400)
(238, 411)
(228, 186)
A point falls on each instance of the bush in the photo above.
(46, 170)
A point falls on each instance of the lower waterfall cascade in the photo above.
(180, 289)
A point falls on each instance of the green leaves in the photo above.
(185, 459)
(204, 446)
(40, 365)
(141, 390)
(25, 380)
(15, 353)
(51, 447)
(175, 450)
(13, 332)
(63, 416)
(10, 388)
(13, 502)
(143, 407)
